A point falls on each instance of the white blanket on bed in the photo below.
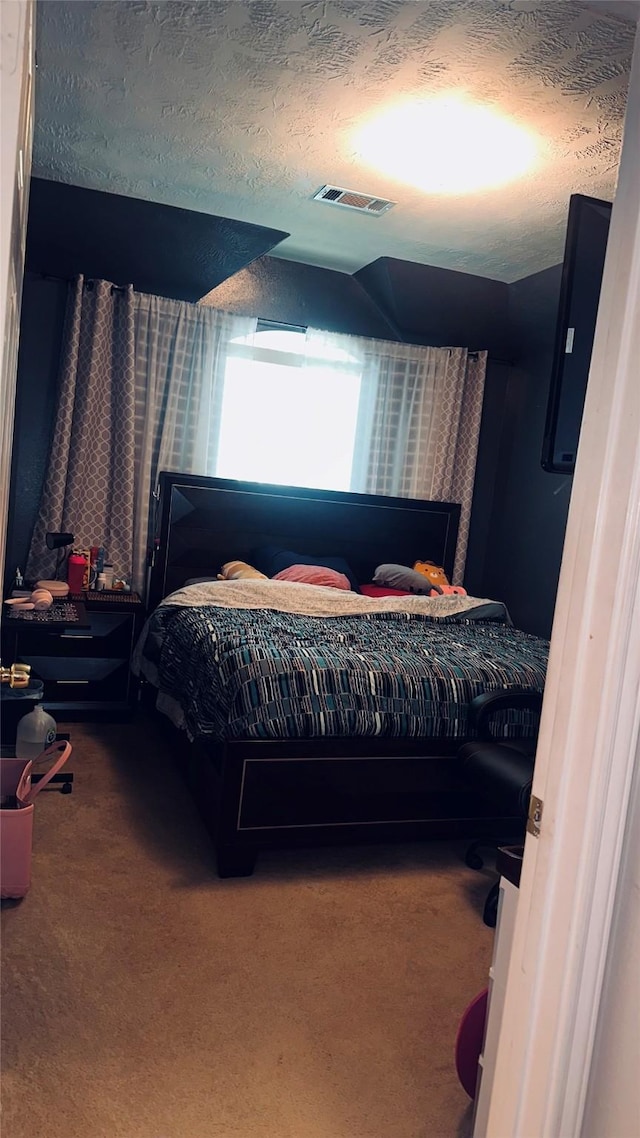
(314, 600)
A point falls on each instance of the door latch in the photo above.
(536, 806)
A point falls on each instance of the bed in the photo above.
(305, 714)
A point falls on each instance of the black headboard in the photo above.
(203, 522)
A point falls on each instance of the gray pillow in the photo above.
(402, 577)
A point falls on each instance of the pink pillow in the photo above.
(382, 591)
(314, 575)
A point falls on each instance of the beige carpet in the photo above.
(145, 998)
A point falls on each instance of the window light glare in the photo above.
(446, 146)
(279, 422)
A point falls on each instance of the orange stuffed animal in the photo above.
(438, 578)
(434, 573)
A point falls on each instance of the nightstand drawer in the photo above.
(81, 678)
(84, 665)
(109, 634)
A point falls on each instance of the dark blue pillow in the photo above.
(272, 559)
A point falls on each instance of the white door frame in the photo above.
(590, 723)
(16, 121)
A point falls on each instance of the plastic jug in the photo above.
(36, 731)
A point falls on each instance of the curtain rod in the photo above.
(280, 326)
(265, 325)
(89, 282)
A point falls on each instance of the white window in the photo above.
(289, 411)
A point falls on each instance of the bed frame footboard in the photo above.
(260, 795)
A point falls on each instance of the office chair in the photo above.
(501, 770)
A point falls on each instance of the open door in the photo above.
(570, 893)
(16, 97)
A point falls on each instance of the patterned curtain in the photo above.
(418, 423)
(89, 487)
(448, 444)
(140, 391)
(180, 357)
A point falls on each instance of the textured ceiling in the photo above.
(244, 109)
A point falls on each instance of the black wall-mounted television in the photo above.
(585, 248)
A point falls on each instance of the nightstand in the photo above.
(85, 666)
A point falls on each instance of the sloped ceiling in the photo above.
(244, 109)
(157, 248)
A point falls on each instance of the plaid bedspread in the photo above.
(236, 673)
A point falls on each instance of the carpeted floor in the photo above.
(145, 998)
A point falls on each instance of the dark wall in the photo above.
(440, 307)
(292, 293)
(41, 326)
(484, 490)
(529, 514)
(390, 299)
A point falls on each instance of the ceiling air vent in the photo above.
(353, 199)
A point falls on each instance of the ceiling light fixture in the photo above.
(446, 145)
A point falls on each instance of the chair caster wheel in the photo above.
(474, 861)
(490, 913)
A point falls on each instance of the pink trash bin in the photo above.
(16, 821)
